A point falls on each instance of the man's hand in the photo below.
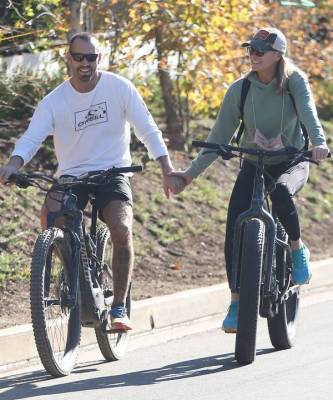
(320, 152)
(178, 181)
(174, 184)
(166, 167)
(13, 165)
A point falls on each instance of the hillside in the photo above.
(178, 242)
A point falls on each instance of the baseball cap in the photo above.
(268, 39)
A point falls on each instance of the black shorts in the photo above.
(117, 188)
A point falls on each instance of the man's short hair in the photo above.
(86, 36)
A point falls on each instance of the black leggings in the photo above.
(289, 180)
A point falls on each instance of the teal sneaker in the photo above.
(229, 324)
(301, 272)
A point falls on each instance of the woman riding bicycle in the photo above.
(277, 103)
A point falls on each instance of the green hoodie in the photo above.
(264, 113)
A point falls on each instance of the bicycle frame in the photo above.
(93, 306)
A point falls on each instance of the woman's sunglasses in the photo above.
(78, 57)
(252, 50)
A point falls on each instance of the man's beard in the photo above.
(85, 77)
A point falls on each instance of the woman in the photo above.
(272, 120)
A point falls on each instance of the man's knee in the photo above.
(121, 233)
(119, 216)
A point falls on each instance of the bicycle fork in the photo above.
(269, 287)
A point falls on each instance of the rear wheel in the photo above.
(250, 281)
(112, 345)
(56, 326)
(282, 327)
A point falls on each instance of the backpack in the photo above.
(245, 89)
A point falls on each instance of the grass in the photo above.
(168, 222)
(160, 224)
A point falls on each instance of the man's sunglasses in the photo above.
(78, 57)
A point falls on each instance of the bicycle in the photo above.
(262, 265)
(71, 276)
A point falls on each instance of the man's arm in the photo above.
(166, 167)
(13, 165)
(165, 164)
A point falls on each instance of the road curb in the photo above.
(17, 346)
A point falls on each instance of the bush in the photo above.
(21, 92)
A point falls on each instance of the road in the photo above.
(196, 361)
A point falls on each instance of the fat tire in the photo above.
(113, 346)
(57, 363)
(282, 327)
(250, 282)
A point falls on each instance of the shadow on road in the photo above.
(23, 386)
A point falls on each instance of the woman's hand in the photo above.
(179, 181)
(320, 152)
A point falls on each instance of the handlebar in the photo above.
(226, 151)
(93, 178)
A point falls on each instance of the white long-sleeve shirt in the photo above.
(91, 131)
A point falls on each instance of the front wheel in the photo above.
(56, 326)
(282, 327)
(112, 345)
(250, 281)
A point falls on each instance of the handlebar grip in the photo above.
(199, 143)
(12, 177)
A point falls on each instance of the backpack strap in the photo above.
(245, 89)
(304, 131)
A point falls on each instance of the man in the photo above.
(89, 116)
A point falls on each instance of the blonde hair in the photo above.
(285, 68)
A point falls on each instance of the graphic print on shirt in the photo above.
(95, 114)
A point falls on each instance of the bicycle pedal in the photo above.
(108, 331)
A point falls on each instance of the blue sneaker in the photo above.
(229, 324)
(301, 272)
(119, 319)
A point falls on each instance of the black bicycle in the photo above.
(261, 269)
(71, 275)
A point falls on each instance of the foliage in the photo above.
(21, 92)
(28, 24)
(197, 41)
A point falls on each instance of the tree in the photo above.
(27, 24)
(193, 45)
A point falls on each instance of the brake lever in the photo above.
(226, 155)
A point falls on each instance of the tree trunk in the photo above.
(174, 125)
(75, 17)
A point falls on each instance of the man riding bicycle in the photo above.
(89, 116)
